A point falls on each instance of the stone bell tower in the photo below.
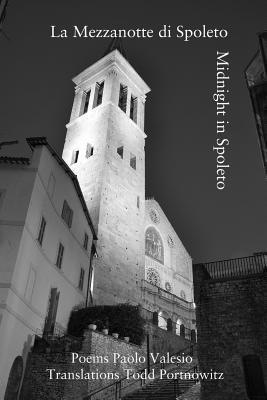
(104, 146)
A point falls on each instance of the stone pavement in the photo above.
(191, 394)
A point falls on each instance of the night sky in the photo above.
(37, 93)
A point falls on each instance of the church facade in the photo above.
(141, 259)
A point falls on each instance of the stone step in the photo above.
(163, 388)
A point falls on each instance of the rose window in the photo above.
(153, 277)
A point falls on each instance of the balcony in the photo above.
(233, 268)
(167, 296)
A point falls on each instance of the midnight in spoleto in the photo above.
(222, 103)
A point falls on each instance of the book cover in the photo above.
(133, 200)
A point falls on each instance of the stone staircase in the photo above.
(164, 389)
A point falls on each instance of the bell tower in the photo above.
(104, 146)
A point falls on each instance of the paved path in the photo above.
(192, 394)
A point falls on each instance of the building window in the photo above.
(89, 150)
(67, 214)
(51, 185)
(133, 161)
(86, 101)
(154, 245)
(254, 377)
(41, 231)
(51, 315)
(182, 295)
(123, 97)
(179, 322)
(2, 194)
(85, 241)
(30, 285)
(153, 277)
(14, 379)
(60, 255)
(133, 109)
(163, 320)
(81, 279)
(75, 156)
(138, 202)
(120, 151)
(99, 88)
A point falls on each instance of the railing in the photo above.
(234, 268)
(167, 295)
(114, 391)
(178, 382)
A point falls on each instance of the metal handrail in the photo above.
(235, 267)
(177, 392)
(118, 386)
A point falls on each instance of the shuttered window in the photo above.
(67, 214)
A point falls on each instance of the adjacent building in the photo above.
(46, 251)
(231, 313)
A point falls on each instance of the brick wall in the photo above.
(232, 322)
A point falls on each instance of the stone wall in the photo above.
(232, 323)
(162, 341)
(38, 385)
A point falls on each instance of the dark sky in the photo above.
(37, 92)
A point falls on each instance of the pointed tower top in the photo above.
(116, 44)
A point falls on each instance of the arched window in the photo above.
(154, 245)
(14, 379)
(179, 322)
(254, 377)
(163, 320)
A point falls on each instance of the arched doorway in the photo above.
(163, 320)
(14, 379)
(254, 377)
(179, 322)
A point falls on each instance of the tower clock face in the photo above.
(153, 277)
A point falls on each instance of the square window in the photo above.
(89, 150)
(75, 156)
